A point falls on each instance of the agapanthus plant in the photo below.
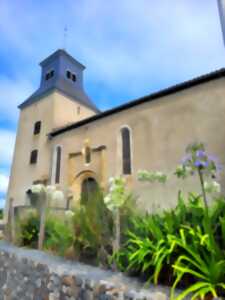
(117, 193)
(197, 161)
(151, 176)
(46, 195)
(114, 200)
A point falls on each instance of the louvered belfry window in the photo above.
(126, 151)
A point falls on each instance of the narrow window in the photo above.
(58, 164)
(68, 74)
(87, 155)
(49, 74)
(74, 77)
(37, 127)
(126, 150)
(78, 110)
(71, 76)
(33, 157)
(52, 73)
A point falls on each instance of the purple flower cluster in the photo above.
(201, 154)
(197, 159)
(201, 164)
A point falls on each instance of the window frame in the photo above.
(87, 155)
(68, 74)
(124, 169)
(74, 77)
(49, 74)
(71, 75)
(56, 178)
(34, 157)
(58, 161)
(37, 128)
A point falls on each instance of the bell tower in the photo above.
(63, 73)
(59, 100)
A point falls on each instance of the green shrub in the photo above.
(167, 247)
(202, 259)
(93, 231)
(28, 230)
(1, 213)
(58, 234)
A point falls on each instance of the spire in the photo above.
(221, 6)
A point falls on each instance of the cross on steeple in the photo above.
(65, 37)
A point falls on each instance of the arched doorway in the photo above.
(89, 188)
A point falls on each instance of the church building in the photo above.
(63, 139)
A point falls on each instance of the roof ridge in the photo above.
(150, 97)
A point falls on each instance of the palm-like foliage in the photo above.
(149, 246)
(183, 246)
(201, 260)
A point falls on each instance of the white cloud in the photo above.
(4, 180)
(130, 48)
(132, 44)
(12, 93)
(7, 141)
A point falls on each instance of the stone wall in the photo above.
(35, 275)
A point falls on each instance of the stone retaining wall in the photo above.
(34, 275)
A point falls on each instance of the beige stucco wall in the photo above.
(65, 111)
(161, 130)
(53, 111)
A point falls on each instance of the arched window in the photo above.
(87, 155)
(126, 150)
(56, 165)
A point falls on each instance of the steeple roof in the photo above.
(54, 76)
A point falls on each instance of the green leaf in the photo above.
(193, 288)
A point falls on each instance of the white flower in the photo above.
(107, 199)
(69, 213)
(37, 188)
(50, 189)
(158, 174)
(217, 187)
(212, 187)
(57, 196)
(150, 176)
(111, 180)
(188, 169)
(179, 168)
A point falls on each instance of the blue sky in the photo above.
(130, 48)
